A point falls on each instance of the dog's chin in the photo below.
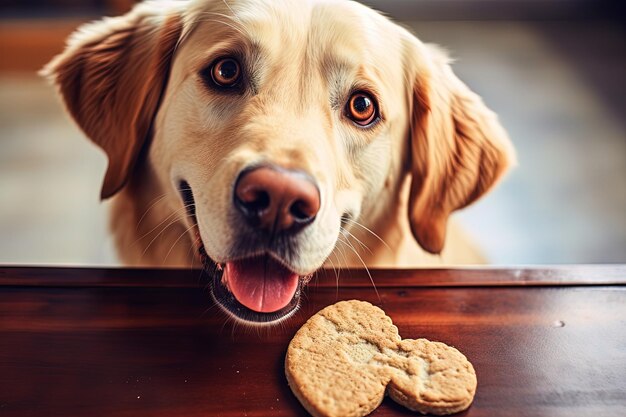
(231, 289)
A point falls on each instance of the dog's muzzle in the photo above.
(273, 205)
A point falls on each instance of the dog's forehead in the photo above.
(335, 33)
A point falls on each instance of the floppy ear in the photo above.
(458, 148)
(112, 75)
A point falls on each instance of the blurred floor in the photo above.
(559, 89)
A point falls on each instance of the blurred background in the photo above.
(554, 71)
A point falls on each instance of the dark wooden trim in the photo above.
(579, 275)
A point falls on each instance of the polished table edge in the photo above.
(526, 276)
(144, 342)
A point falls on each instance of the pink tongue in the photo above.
(262, 284)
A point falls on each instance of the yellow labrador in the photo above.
(266, 138)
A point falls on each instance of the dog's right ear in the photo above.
(459, 150)
(112, 75)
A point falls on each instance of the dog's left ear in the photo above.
(458, 148)
(112, 75)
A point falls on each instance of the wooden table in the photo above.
(124, 342)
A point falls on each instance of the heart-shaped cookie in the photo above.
(345, 358)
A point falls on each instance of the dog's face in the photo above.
(276, 125)
(262, 98)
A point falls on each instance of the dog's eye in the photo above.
(226, 72)
(361, 108)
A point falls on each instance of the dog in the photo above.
(268, 138)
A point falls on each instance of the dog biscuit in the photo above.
(345, 358)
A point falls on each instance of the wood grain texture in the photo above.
(97, 342)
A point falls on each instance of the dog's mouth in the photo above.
(257, 290)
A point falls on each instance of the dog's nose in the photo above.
(275, 199)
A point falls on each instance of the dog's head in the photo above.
(279, 123)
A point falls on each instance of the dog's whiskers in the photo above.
(177, 240)
(232, 331)
(332, 264)
(167, 218)
(206, 311)
(364, 265)
(343, 255)
(234, 18)
(192, 253)
(177, 218)
(203, 17)
(369, 231)
(153, 203)
(363, 245)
